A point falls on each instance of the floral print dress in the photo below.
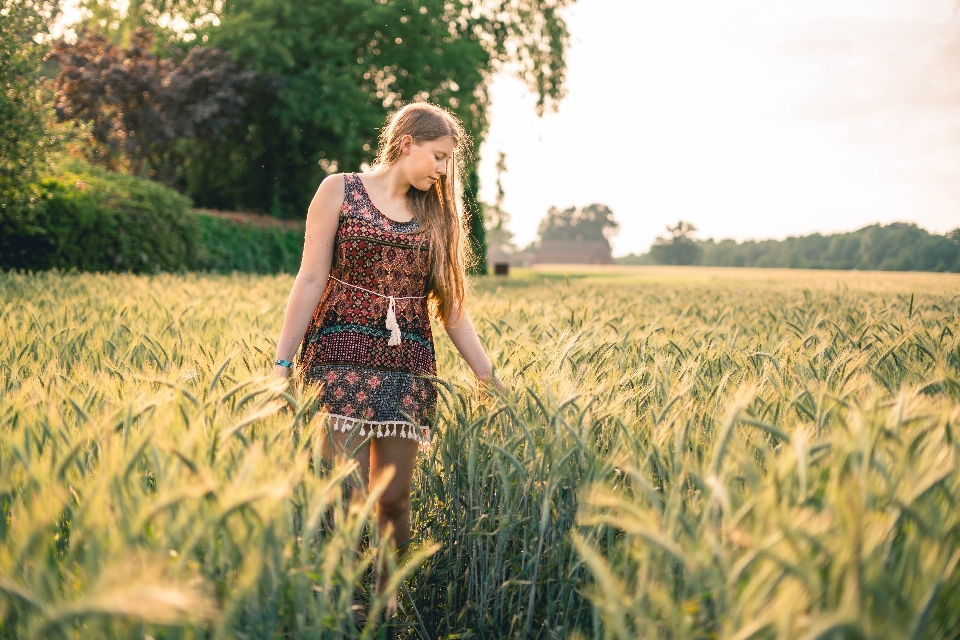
(367, 381)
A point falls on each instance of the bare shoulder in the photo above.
(329, 196)
(332, 187)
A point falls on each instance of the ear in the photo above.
(406, 144)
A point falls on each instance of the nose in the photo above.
(442, 168)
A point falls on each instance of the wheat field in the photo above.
(680, 453)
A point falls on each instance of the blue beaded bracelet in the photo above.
(284, 363)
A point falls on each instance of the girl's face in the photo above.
(424, 162)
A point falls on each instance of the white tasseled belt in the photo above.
(391, 310)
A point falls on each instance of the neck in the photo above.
(393, 182)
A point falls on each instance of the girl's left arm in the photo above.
(464, 337)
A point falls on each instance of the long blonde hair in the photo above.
(435, 209)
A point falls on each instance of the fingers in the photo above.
(493, 381)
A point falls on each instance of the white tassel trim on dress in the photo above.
(394, 429)
(392, 323)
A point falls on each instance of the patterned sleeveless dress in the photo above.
(367, 381)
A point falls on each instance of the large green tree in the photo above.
(26, 136)
(24, 114)
(340, 66)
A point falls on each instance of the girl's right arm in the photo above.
(323, 217)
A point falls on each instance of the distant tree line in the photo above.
(898, 246)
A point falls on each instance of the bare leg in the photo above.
(335, 445)
(393, 508)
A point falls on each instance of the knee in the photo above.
(394, 507)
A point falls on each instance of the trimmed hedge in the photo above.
(94, 220)
(89, 219)
(231, 246)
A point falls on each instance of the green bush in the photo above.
(228, 246)
(93, 220)
(90, 219)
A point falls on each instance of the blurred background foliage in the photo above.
(24, 106)
(249, 104)
(142, 110)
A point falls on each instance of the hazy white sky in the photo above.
(749, 118)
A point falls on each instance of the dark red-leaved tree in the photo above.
(142, 108)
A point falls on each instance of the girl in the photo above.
(382, 250)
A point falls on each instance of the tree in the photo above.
(141, 108)
(498, 235)
(678, 248)
(593, 222)
(169, 19)
(25, 136)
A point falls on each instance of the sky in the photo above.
(748, 118)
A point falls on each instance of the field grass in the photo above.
(681, 453)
